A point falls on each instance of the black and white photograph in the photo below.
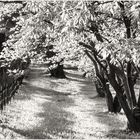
(69, 69)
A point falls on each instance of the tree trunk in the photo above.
(116, 105)
(133, 123)
(99, 88)
(131, 82)
(109, 98)
(58, 72)
(2, 39)
(102, 86)
(98, 79)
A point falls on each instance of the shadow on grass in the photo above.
(82, 81)
(36, 134)
(29, 134)
(56, 120)
(110, 120)
(74, 75)
(33, 90)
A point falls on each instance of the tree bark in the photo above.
(109, 99)
(131, 82)
(116, 105)
(99, 88)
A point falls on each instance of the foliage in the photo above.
(107, 32)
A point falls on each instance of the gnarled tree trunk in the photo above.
(58, 71)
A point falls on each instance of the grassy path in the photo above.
(60, 108)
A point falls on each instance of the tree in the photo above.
(123, 72)
(113, 52)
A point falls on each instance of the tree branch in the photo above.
(105, 2)
(126, 19)
(15, 1)
(109, 15)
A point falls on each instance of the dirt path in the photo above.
(59, 108)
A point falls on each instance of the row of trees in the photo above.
(110, 37)
(107, 32)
